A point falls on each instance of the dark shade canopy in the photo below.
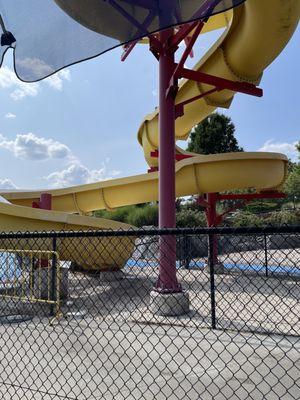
(52, 34)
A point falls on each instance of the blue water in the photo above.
(272, 269)
(9, 269)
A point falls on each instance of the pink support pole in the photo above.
(45, 201)
(167, 281)
(211, 214)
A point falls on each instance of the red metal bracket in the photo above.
(202, 202)
(141, 27)
(218, 83)
(182, 33)
(179, 108)
(221, 83)
(244, 197)
(127, 50)
(178, 157)
(155, 46)
(187, 41)
(173, 86)
(189, 47)
(152, 169)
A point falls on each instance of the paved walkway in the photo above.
(93, 360)
(109, 346)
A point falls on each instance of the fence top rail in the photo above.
(294, 229)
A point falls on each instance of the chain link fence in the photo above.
(76, 320)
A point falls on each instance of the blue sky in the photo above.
(80, 125)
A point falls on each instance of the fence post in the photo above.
(212, 279)
(53, 277)
(266, 253)
(187, 251)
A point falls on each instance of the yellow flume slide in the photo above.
(257, 33)
(195, 175)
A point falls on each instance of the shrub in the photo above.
(244, 219)
(188, 218)
(262, 206)
(277, 218)
(119, 214)
(143, 216)
(283, 218)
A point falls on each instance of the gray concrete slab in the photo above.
(91, 360)
(108, 345)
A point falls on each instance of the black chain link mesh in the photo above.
(70, 331)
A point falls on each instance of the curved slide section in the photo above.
(258, 32)
(200, 174)
(196, 175)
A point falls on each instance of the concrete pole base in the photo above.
(218, 268)
(169, 304)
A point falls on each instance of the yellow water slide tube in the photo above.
(199, 174)
(195, 175)
(256, 33)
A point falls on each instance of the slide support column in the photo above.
(167, 298)
(167, 281)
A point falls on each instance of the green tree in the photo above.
(292, 184)
(215, 134)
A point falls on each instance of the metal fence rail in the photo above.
(239, 340)
(30, 276)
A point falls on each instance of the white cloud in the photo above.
(33, 68)
(31, 147)
(20, 90)
(280, 147)
(9, 80)
(56, 81)
(77, 174)
(7, 184)
(10, 115)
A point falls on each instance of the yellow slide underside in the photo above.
(258, 31)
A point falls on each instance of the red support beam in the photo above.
(188, 48)
(127, 50)
(187, 41)
(178, 157)
(180, 106)
(182, 34)
(220, 83)
(214, 219)
(201, 201)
